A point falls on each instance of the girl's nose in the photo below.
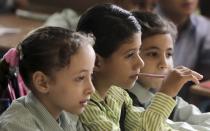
(140, 62)
(90, 87)
(163, 63)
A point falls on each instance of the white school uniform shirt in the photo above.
(68, 19)
(187, 117)
(28, 114)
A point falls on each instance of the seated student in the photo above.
(48, 63)
(157, 52)
(68, 18)
(192, 45)
(118, 40)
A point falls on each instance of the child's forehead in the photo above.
(84, 56)
(128, 47)
(158, 40)
(135, 37)
(131, 42)
(81, 62)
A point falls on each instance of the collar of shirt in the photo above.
(96, 97)
(66, 120)
(143, 95)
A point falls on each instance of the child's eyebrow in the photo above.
(82, 71)
(157, 48)
(152, 48)
(134, 49)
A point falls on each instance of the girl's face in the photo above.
(156, 52)
(71, 87)
(123, 66)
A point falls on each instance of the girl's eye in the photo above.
(152, 54)
(80, 78)
(169, 54)
(130, 55)
(133, 53)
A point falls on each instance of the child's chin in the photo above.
(81, 110)
(77, 112)
(128, 86)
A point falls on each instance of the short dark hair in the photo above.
(153, 24)
(110, 24)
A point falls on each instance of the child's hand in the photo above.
(177, 78)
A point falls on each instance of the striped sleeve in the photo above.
(153, 118)
(96, 119)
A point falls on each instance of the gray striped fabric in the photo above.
(28, 114)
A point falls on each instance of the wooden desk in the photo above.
(199, 94)
(10, 20)
(203, 89)
(200, 91)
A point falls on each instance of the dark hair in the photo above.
(47, 49)
(110, 24)
(153, 24)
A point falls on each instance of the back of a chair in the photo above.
(4, 104)
(15, 88)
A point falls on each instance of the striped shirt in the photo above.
(28, 114)
(104, 114)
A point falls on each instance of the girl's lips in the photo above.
(135, 76)
(84, 102)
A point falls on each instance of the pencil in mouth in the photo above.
(152, 75)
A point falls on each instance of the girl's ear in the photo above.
(98, 62)
(40, 82)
